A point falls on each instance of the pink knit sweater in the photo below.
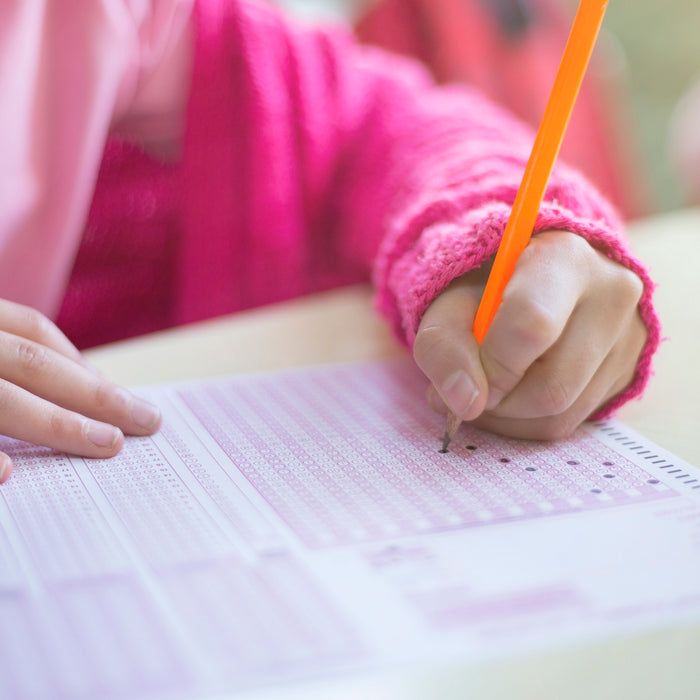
(310, 163)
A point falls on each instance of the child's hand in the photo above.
(565, 340)
(50, 396)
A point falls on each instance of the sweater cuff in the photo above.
(441, 244)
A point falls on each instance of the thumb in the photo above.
(447, 352)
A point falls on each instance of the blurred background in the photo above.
(647, 60)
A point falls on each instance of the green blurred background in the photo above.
(661, 46)
(657, 53)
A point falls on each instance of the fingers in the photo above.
(48, 374)
(28, 417)
(566, 307)
(26, 322)
(565, 340)
(49, 395)
(5, 467)
(448, 354)
(435, 400)
(611, 378)
(537, 305)
(555, 381)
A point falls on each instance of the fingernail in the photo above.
(495, 397)
(144, 414)
(102, 434)
(459, 392)
(435, 401)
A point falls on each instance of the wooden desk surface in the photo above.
(288, 335)
(669, 412)
(659, 664)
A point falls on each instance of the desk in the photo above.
(660, 664)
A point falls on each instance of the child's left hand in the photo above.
(565, 340)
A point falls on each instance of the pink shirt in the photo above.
(69, 73)
(299, 161)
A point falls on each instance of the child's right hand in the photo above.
(565, 341)
(49, 395)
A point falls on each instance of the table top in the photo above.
(341, 326)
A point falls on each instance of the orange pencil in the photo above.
(572, 68)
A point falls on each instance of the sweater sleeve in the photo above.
(69, 73)
(383, 169)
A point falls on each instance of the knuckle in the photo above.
(533, 324)
(103, 396)
(33, 358)
(532, 329)
(578, 249)
(559, 242)
(631, 287)
(559, 427)
(538, 322)
(62, 426)
(553, 397)
(500, 374)
(35, 324)
(622, 287)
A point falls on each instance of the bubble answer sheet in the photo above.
(301, 524)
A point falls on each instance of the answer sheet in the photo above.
(298, 524)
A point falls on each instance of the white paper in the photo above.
(301, 524)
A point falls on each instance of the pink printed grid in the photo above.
(252, 620)
(97, 638)
(344, 459)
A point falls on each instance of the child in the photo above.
(251, 160)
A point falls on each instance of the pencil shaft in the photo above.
(548, 140)
(550, 134)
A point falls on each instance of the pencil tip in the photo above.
(446, 442)
(453, 423)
